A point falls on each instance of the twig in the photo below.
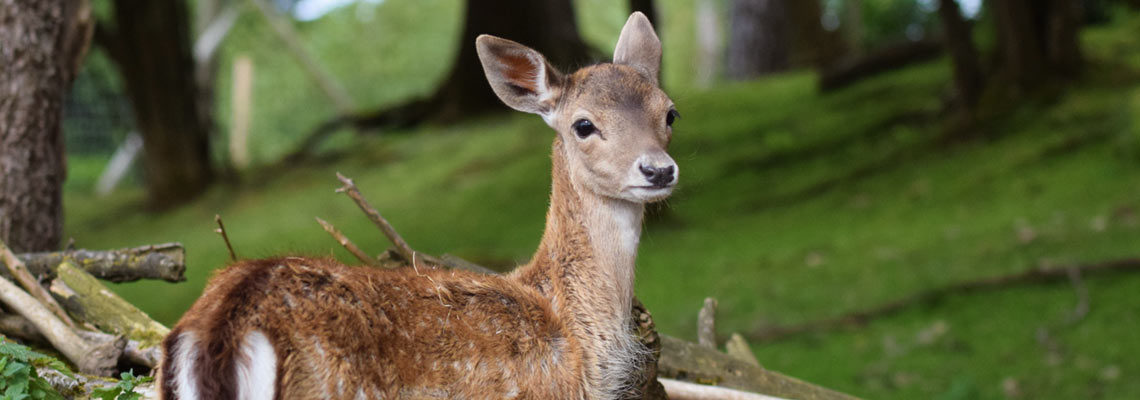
(402, 247)
(681, 390)
(161, 261)
(706, 324)
(348, 244)
(859, 317)
(222, 231)
(20, 272)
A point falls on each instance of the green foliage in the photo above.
(124, 390)
(18, 377)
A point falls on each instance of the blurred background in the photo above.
(839, 156)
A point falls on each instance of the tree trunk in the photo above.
(546, 26)
(151, 46)
(758, 42)
(1037, 41)
(968, 77)
(811, 44)
(649, 8)
(41, 43)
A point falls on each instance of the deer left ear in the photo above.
(519, 75)
(639, 47)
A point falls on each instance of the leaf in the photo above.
(106, 393)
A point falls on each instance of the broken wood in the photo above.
(681, 390)
(89, 301)
(17, 269)
(402, 247)
(99, 359)
(738, 347)
(15, 326)
(706, 324)
(348, 244)
(162, 261)
(691, 362)
(860, 317)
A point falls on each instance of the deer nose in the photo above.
(658, 176)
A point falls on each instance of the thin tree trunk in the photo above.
(1037, 41)
(151, 44)
(758, 42)
(811, 44)
(41, 43)
(968, 77)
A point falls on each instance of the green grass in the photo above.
(793, 206)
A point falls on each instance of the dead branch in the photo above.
(89, 301)
(860, 317)
(20, 272)
(706, 324)
(738, 347)
(681, 390)
(402, 247)
(692, 362)
(348, 244)
(163, 261)
(15, 326)
(98, 359)
(226, 238)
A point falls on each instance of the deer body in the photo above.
(556, 328)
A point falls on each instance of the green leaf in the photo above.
(107, 393)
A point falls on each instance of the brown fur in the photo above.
(556, 328)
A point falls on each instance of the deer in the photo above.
(558, 327)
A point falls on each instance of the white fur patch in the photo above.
(256, 368)
(185, 384)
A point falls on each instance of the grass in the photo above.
(794, 206)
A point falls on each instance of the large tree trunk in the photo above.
(41, 42)
(968, 77)
(150, 43)
(758, 42)
(1037, 40)
(811, 44)
(548, 26)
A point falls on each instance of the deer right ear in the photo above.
(520, 76)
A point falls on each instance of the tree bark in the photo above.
(41, 43)
(968, 77)
(1037, 41)
(549, 27)
(758, 42)
(811, 44)
(150, 42)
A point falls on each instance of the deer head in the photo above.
(612, 120)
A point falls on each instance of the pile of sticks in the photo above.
(56, 301)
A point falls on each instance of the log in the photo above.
(15, 326)
(19, 271)
(690, 362)
(885, 59)
(98, 359)
(88, 300)
(162, 261)
(706, 324)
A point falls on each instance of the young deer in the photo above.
(556, 328)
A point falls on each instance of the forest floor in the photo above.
(793, 206)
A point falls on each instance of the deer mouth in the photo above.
(651, 193)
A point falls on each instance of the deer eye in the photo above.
(671, 116)
(584, 128)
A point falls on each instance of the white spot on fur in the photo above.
(185, 383)
(256, 368)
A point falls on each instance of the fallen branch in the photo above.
(98, 359)
(681, 390)
(89, 301)
(860, 317)
(692, 362)
(348, 244)
(163, 261)
(20, 272)
(738, 347)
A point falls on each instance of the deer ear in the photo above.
(639, 47)
(520, 76)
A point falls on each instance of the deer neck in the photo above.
(585, 261)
